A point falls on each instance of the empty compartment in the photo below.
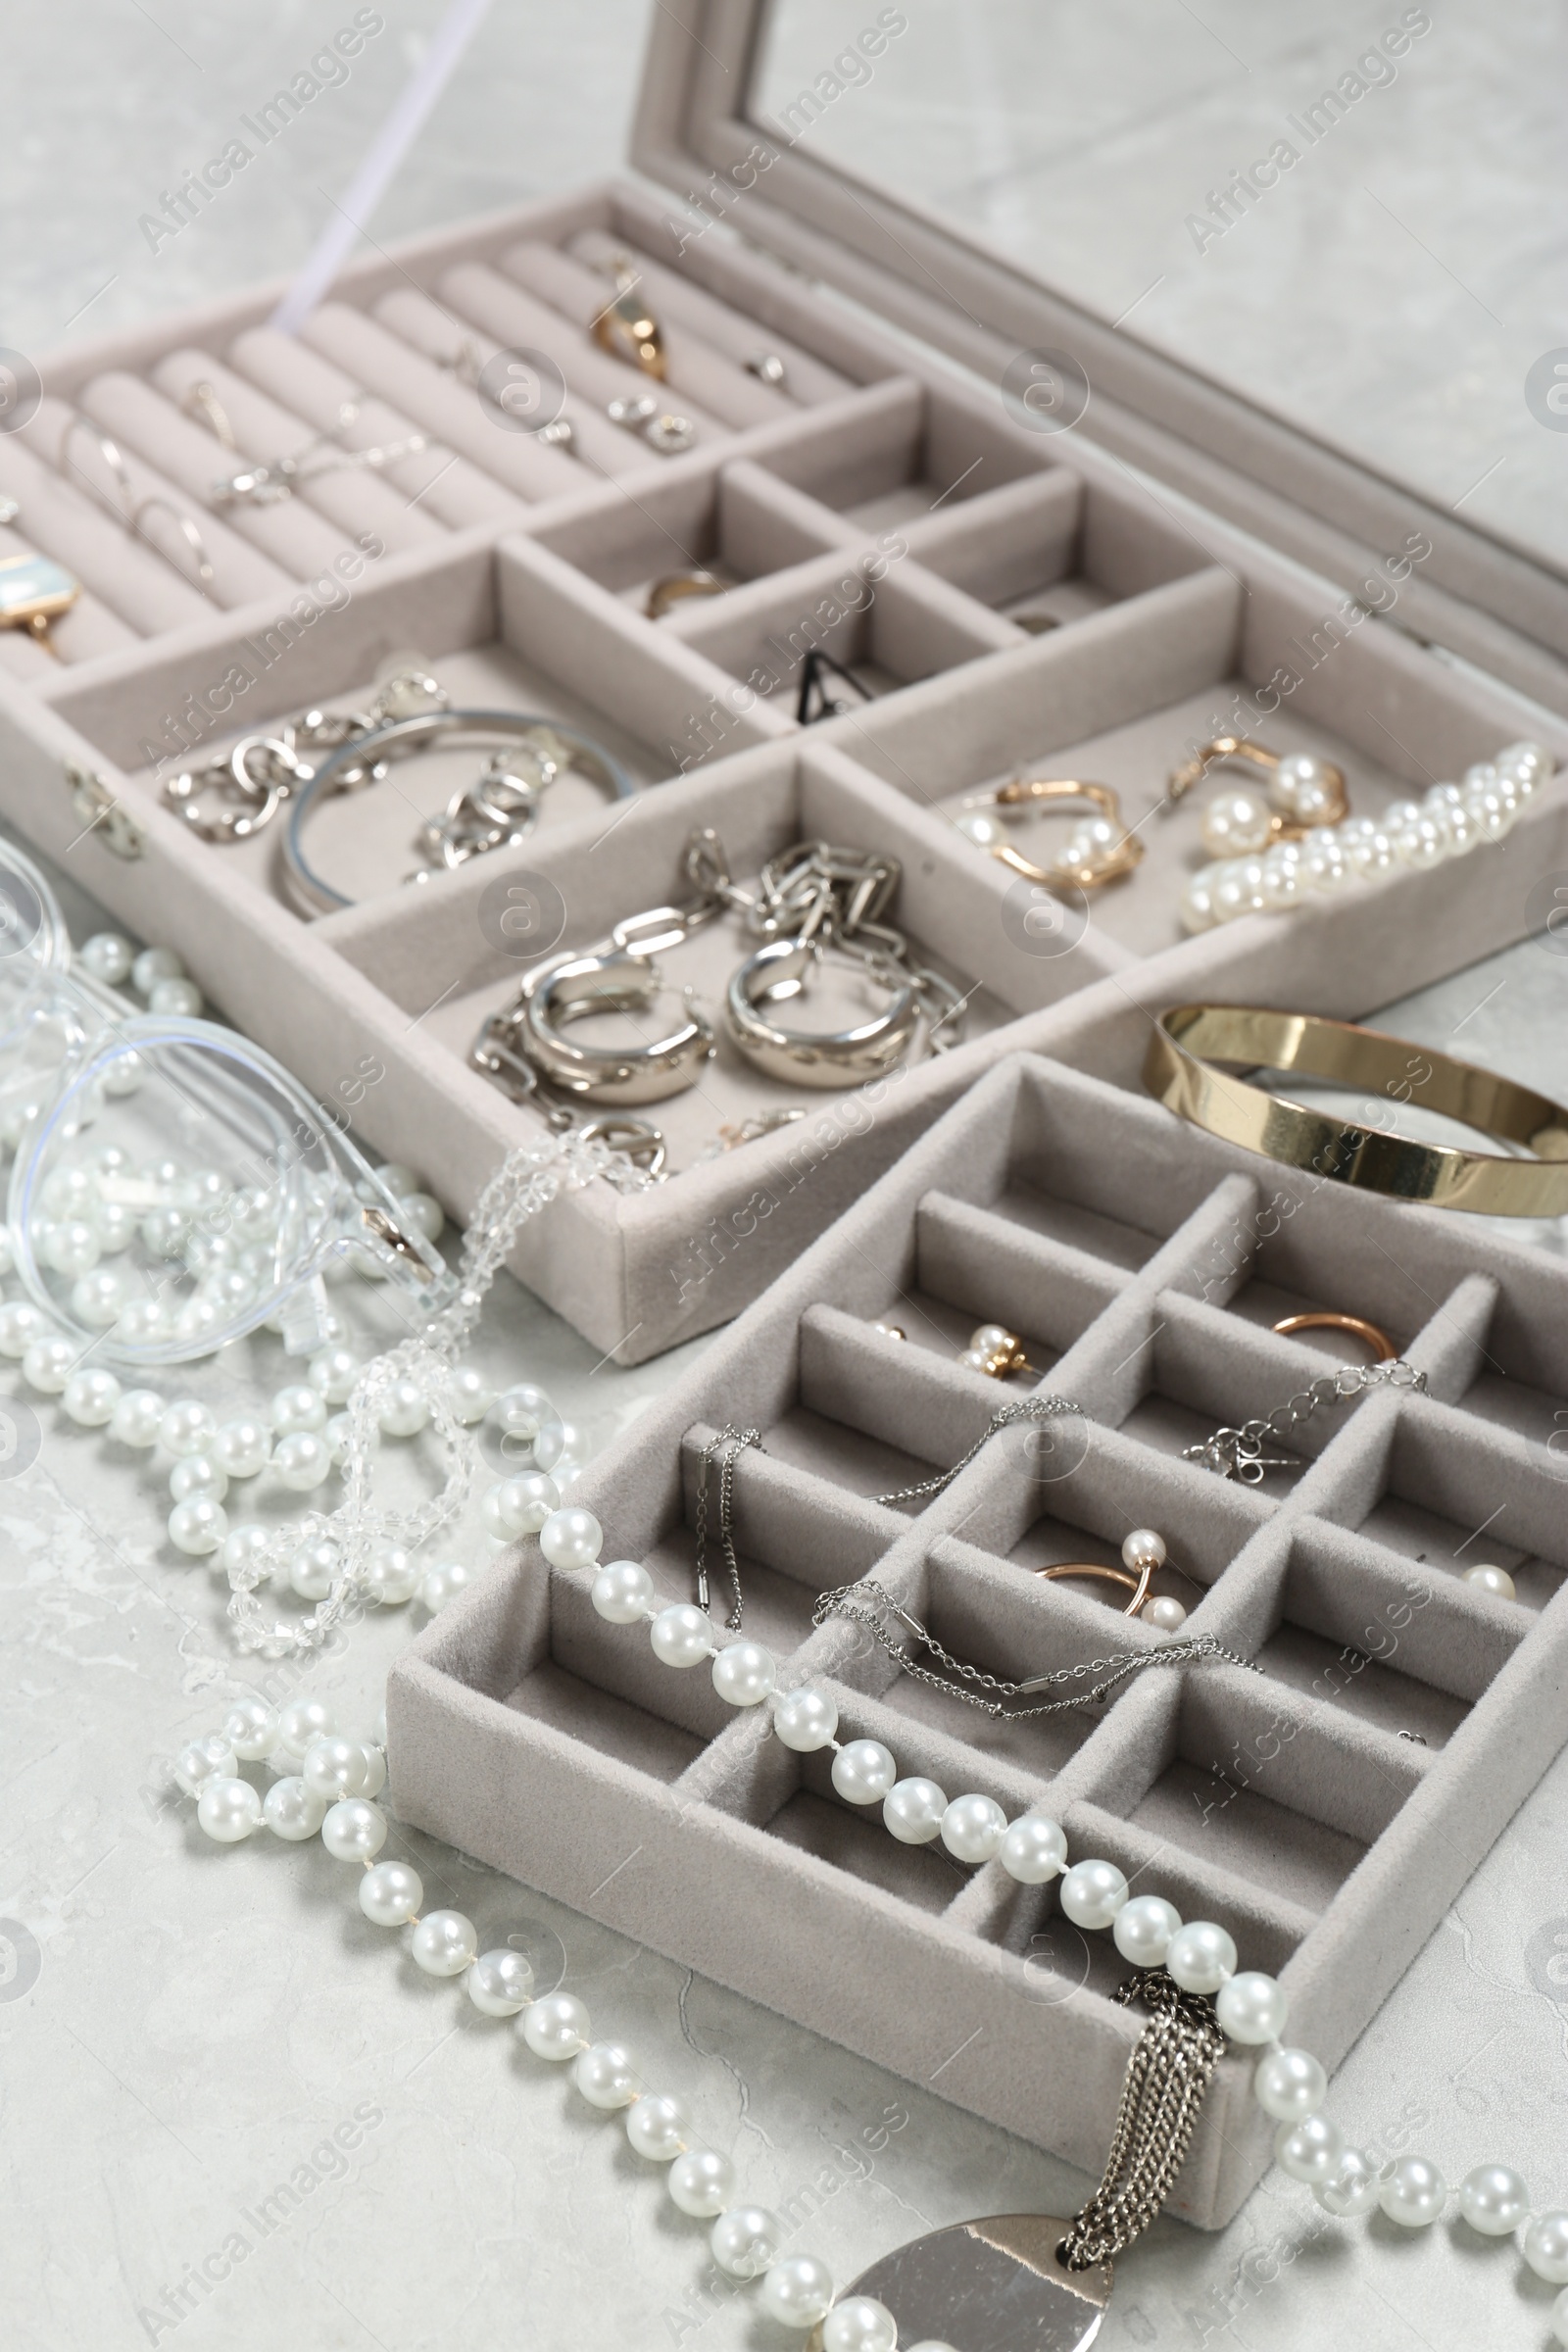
(1448, 1492)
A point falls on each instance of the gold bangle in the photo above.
(674, 589)
(1365, 1155)
(1383, 1349)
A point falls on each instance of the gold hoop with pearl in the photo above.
(1301, 792)
(1143, 1553)
(1099, 850)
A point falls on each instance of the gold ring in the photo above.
(1138, 1586)
(676, 587)
(1363, 1153)
(1100, 853)
(1383, 1349)
(629, 330)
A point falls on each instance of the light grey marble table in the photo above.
(230, 2113)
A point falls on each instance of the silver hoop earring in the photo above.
(776, 975)
(616, 981)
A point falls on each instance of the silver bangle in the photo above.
(474, 820)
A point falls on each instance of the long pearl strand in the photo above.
(1448, 821)
(328, 1785)
(1289, 2085)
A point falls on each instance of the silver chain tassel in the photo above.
(1168, 2076)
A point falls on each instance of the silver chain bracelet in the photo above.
(1237, 1452)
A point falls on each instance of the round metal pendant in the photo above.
(992, 2285)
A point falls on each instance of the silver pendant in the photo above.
(992, 2285)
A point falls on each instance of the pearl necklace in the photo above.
(1448, 821)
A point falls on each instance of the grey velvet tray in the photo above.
(1144, 1264)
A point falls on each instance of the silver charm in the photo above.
(992, 2285)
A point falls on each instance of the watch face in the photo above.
(32, 588)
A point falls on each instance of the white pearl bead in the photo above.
(1493, 2200)
(555, 2028)
(701, 2183)
(519, 1413)
(1091, 1893)
(1165, 1612)
(176, 1000)
(117, 1225)
(1299, 788)
(1412, 2192)
(623, 1592)
(107, 957)
(571, 1539)
(243, 1555)
(745, 2239)
(606, 2075)
(203, 1760)
(47, 1366)
(657, 2127)
(297, 1406)
(1235, 822)
(71, 1248)
(976, 826)
(859, 2323)
(973, 1828)
(1198, 911)
(500, 1983)
(519, 1506)
(186, 1428)
(198, 1527)
(375, 1761)
(19, 1325)
(1311, 2150)
(333, 1372)
(1144, 1928)
(336, 1434)
(439, 1587)
(144, 1323)
(472, 1394)
(1545, 2247)
(90, 1398)
(135, 1418)
(335, 1767)
(423, 1211)
(251, 1728)
(745, 1673)
(301, 1460)
(864, 1772)
(404, 1409)
(165, 1232)
(1250, 2007)
(805, 1720)
(556, 1439)
(797, 2291)
(1290, 2084)
(390, 1894)
(228, 1810)
(681, 1635)
(1143, 1547)
(398, 1179)
(1560, 2317)
(391, 1576)
(292, 1810)
(313, 1570)
(1352, 2189)
(1201, 1957)
(991, 1338)
(98, 1300)
(197, 1322)
(8, 1250)
(1488, 1579)
(1420, 844)
(152, 966)
(1033, 1851)
(912, 1811)
(444, 1943)
(299, 1723)
(197, 1474)
(353, 1829)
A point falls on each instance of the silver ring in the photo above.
(776, 973)
(618, 981)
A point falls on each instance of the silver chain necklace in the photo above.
(1236, 1453)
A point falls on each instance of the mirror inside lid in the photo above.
(1347, 221)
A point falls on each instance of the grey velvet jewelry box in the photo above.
(1326, 1807)
(1182, 554)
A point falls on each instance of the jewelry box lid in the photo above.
(1299, 273)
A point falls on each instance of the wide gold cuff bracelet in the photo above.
(1362, 1153)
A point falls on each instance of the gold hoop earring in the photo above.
(1098, 851)
(1301, 792)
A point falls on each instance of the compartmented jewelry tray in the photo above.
(852, 529)
(1324, 1803)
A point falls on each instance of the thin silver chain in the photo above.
(1168, 2076)
(1028, 1409)
(736, 1439)
(1237, 1452)
(869, 1604)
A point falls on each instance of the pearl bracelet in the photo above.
(1250, 2007)
(329, 1787)
(1448, 821)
